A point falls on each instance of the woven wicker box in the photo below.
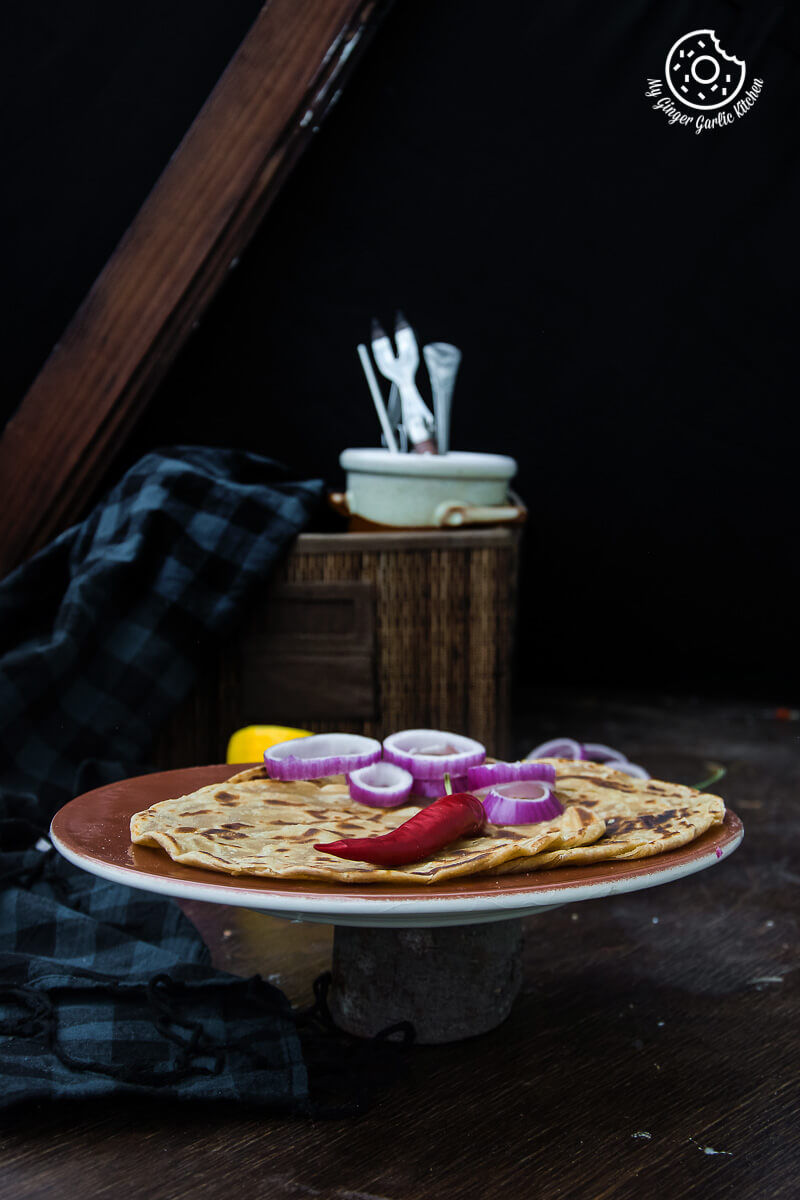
(367, 632)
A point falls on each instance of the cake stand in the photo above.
(446, 956)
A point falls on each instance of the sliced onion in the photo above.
(524, 802)
(432, 789)
(432, 753)
(382, 785)
(488, 774)
(557, 748)
(597, 752)
(569, 748)
(629, 768)
(321, 754)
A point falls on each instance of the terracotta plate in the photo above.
(93, 831)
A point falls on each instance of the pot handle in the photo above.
(340, 502)
(452, 513)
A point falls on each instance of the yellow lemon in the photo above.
(249, 744)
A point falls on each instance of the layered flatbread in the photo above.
(254, 825)
(642, 817)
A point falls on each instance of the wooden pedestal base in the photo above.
(451, 982)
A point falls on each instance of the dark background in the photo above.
(624, 292)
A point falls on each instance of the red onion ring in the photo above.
(432, 753)
(525, 802)
(381, 785)
(556, 748)
(569, 748)
(321, 754)
(488, 774)
(629, 768)
(597, 752)
(432, 789)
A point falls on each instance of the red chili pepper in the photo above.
(444, 821)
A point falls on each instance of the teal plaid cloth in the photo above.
(101, 634)
(103, 989)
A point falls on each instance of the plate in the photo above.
(93, 832)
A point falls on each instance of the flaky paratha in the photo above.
(254, 825)
(643, 817)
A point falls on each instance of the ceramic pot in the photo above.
(427, 491)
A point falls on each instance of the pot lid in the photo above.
(458, 464)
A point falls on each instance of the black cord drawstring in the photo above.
(345, 1072)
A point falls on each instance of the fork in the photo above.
(396, 418)
(400, 369)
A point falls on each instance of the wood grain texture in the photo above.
(652, 1051)
(170, 262)
(432, 649)
(308, 650)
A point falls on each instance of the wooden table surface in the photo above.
(653, 1051)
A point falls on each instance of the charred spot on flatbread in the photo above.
(642, 817)
(606, 815)
(279, 823)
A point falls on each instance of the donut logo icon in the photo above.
(700, 74)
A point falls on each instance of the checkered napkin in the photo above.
(104, 989)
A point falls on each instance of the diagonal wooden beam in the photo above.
(200, 215)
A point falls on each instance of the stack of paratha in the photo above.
(254, 825)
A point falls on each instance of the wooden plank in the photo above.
(309, 653)
(437, 539)
(653, 1045)
(395, 635)
(170, 262)
(309, 615)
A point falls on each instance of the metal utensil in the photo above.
(395, 412)
(442, 361)
(401, 368)
(377, 399)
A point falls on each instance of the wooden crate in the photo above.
(369, 633)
